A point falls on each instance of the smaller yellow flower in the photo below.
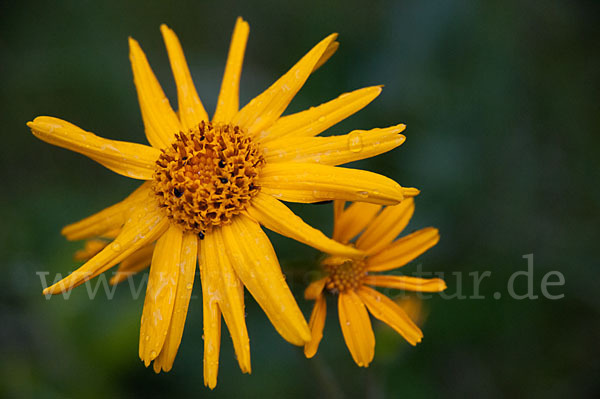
(350, 279)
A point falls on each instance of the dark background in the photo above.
(501, 99)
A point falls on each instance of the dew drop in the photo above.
(362, 194)
(116, 246)
(355, 143)
(147, 338)
(153, 354)
(321, 119)
(189, 286)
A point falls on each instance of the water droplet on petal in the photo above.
(153, 354)
(189, 286)
(116, 246)
(147, 338)
(363, 194)
(355, 143)
(321, 119)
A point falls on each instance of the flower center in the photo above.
(344, 273)
(207, 176)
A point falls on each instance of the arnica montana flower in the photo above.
(210, 184)
(349, 279)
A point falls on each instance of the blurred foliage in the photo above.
(501, 103)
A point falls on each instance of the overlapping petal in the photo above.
(160, 294)
(315, 120)
(386, 226)
(255, 262)
(275, 216)
(316, 324)
(143, 227)
(353, 220)
(260, 113)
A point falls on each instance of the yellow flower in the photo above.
(350, 279)
(210, 184)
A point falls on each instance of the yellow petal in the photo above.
(255, 262)
(309, 182)
(191, 111)
(228, 103)
(185, 282)
(211, 316)
(406, 283)
(338, 209)
(92, 247)
(356, 327)
(260, 113)
(275, 216)
(315, 120)
(144, 226)
(230, 295)
(137, 261)
(353, 220)
(334, 150)
(315, 288)
(160, 120)
(128, 159)
(386, 226)
(390, 313)
(403, 250)
(108, 219)
(316, 324)
(160, 294)
(410, 191)
(331, 49)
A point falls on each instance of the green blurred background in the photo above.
(501, 99)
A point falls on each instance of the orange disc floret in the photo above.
(207, 176)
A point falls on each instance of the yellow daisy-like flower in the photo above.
(350, 279)
(209, 186)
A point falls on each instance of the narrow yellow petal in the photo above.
(331, 49)
(407, 283)
(315, 288)
(108, 219)
(353, 220)
(356, 327)
(255, 262)
(260, 113)
(334, 150)
(338, 209)
(143, 227)
(91, 248)
(185, 282)
(309, 182)
(316, 324)
(313, 121)
(386, 310)
(136, 262)
(275, 216)
(160, 120)
(160, 294)
(228, 103)
(410, 191)
(191, 111)
(230, 294)
(386, 226)
(211, 315)
(128, 159)
(403, 250)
